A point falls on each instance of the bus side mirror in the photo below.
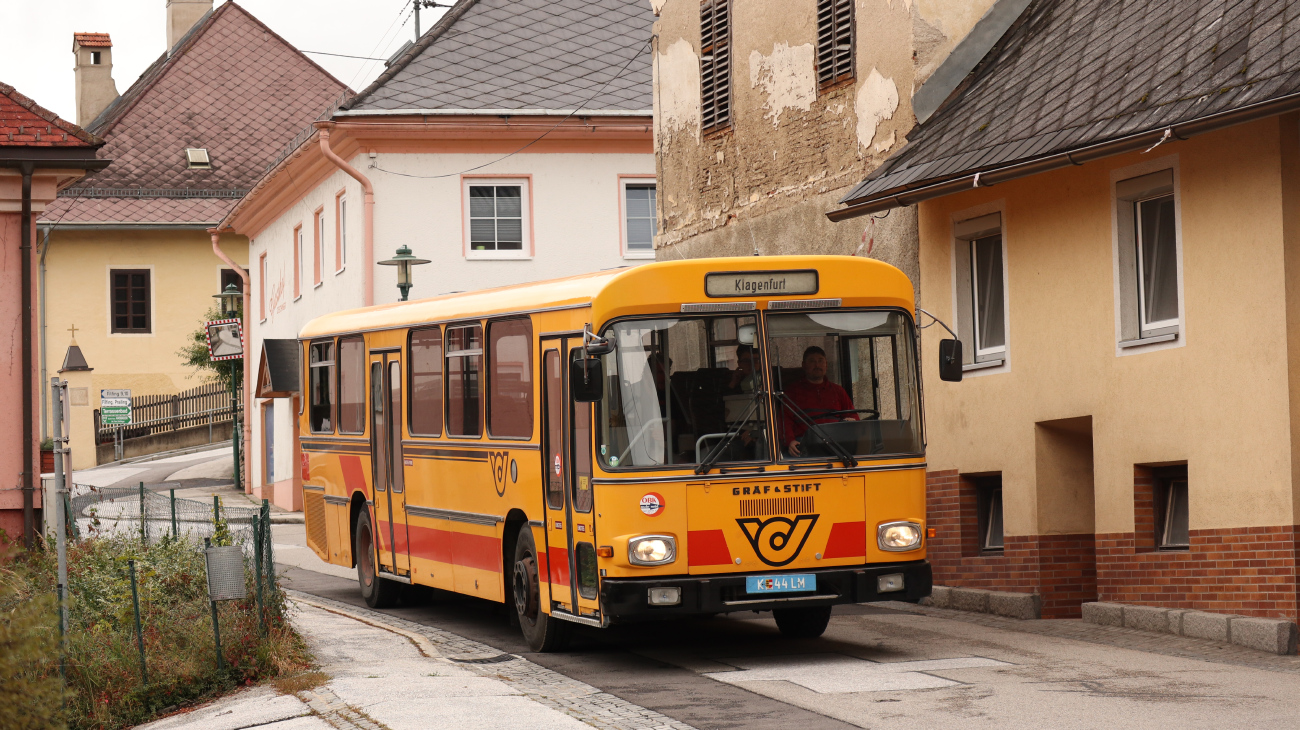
(597, 346)
(950, 360)
(586, 380)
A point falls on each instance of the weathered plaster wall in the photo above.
(792, 150)
(1218, 400)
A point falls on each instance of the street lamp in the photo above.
(229, 301)
(403, 261)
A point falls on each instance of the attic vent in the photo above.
(197, 157)
(715, 64)
(393, 58)
(834, 41)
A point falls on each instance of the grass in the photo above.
(102, 662)
(295, 683)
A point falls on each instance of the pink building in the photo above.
(40, 154)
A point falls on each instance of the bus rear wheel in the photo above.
(544, 634)
(377, 592)
(807, 622)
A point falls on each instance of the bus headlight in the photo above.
(899, 536)
(652, 550)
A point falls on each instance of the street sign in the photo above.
(225, 340)
(115, 407)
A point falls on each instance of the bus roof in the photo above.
(661, 287)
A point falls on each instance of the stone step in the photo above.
(1275, 636)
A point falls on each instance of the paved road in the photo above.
(883, 666)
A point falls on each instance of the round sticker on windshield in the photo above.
(557, 465)
(652, 504)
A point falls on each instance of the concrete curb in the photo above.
(999, 603)
(1275, 636)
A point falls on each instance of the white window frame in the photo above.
(298, 258)
(1128, 187)
(968, 226)
(526, 250)
(342, 263)
(623, 182)
(320, 245)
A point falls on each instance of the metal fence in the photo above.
(153, 516)
(202, 406)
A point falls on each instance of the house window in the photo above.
(464, 366)
(834, 42)
(426, 382)
(510, 380)
(715, 64)
(497, 221)
(94, 58)
(297, 262)
(981, 291)
(261, 287)
(352, 385)
(1148, 249)
(268, 442)
(131, 301)
(1172, 524)
(341, 234)
(322, 384)
(988, 500)
(320, 245)
(640, 223)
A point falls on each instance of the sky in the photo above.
(37, 59)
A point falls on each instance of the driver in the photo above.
(818, 397)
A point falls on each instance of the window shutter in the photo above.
(715, 63)
(834, 41)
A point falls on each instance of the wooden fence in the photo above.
(152, 414)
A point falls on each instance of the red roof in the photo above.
(231, 86)
(24, 123)
(92, 40)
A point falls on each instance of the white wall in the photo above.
(576, 226)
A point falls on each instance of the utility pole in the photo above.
(427, 4)
(59, 392)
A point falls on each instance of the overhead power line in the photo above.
(344, 55)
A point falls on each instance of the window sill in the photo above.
(340, 271)
(318, 285)
(1153, 339)
(297, 297)
(262, 320)
(982, 365)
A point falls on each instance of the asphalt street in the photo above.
(878, 666)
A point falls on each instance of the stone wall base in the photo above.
(1275, 636)
(998, 603)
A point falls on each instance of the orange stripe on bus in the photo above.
(707, 547)
(559, 564)
(354, 477)
(847, 540)
(482, 552)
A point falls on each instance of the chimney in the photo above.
(94, 75)
(181, 16)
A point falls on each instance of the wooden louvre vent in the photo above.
(834, 41)
(715, 63)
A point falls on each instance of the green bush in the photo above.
(102, 658)
(31, 696)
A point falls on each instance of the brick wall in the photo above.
(1249, 571)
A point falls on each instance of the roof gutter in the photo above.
(1148, 140)
(493, 112)
(368, 242)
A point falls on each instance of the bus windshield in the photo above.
(676, 388)
(847, 377)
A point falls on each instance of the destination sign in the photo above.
(760, 283)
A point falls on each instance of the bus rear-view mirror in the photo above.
(950, 360)
(586, 380)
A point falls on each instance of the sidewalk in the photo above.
(384, 673)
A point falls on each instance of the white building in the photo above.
(511, 143)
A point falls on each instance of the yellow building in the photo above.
(125, 254)
(1118, 252)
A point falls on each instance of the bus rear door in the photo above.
(387, 466)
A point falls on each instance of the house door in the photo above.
(570, 529)
(387, 466)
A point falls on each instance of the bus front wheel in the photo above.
(807, 622)
(542, 632)
(377, 592)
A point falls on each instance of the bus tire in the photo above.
(807, 622)
(377, 592)
(544, 634)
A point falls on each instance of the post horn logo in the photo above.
(777, 540)
(499, 461)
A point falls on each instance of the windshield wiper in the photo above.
(840, 452)
(730, 436)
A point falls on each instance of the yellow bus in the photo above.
(680, 438)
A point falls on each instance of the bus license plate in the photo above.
(780, 583)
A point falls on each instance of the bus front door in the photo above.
(570, 529)
(387, 466)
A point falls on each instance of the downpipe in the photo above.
(368, 238)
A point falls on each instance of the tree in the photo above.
(195, 354)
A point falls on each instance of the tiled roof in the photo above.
(24, 123)
(231, 86)
(205, 211)
(1071, 73)
(524, 54)
(92, 40)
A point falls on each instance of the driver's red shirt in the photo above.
(815, 400)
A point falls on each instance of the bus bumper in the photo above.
(628, 599)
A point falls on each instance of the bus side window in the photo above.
(426, 382)
(464, 380)
(352, 385)
(322, 387)
(554, 424)
(510, 381)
